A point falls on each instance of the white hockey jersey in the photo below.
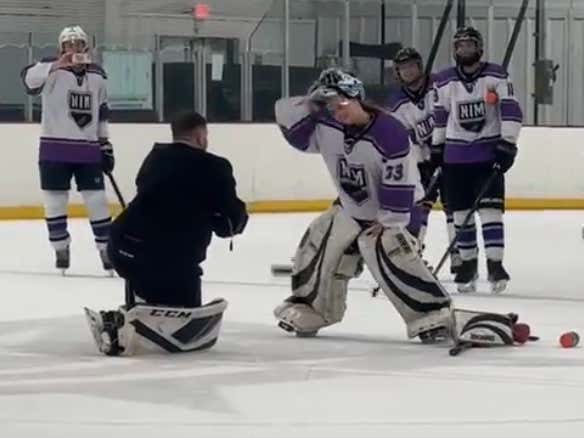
(74, 111)
(373, 169)
(416, 113)
(465, 123)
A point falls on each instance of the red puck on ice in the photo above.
(521, 332)
(569, 339)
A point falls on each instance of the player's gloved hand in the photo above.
(505, 153)
(426, 169)
(436, 156)
(107, 157)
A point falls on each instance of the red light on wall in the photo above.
(201, 11)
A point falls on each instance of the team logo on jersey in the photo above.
(353, 180)
(80, 108)
(472, 115)
(424, 128)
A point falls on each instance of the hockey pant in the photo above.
(146, 328)
(332, 252)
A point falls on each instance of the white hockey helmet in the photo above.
(72, 34)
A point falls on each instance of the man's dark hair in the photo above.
(184, 123)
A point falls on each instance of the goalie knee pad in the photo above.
(156, 328)
(326, 259)
(394, 261)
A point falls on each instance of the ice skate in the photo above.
(498, 276)
(62, 259)
(301, 334)
(466, 276)
(436, 335)
(104, 327)
(455, 262)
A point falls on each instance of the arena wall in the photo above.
(273, 177)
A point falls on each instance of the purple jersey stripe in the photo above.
(398, 199)
(440, 116)
(473, 152)
(71, 151)
(511, 109)
(299, 134)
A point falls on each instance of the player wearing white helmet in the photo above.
(74, 139)
(367, 152)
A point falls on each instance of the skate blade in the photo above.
(498, 286)
(467, 288)
(290, 329)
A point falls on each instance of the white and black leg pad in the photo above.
(483, 329)
(417, 295)
(157, 328)
(326, 259)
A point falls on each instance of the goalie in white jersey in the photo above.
(368, 155)
(412, 105)
(74, 139)
(477, 123)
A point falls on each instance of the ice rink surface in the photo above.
(361, 378)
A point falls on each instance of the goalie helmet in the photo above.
(341, 82)
(408, 54)
(73, 34)
(468, 33)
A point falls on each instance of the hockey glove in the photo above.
(107, 157)
(505, 153)
(426, 169)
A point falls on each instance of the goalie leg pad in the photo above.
(326, 259)
(419, 298)
(158, 328)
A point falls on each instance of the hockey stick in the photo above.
(116, 189)
(129, 295)
(473, 210)
(431, 185)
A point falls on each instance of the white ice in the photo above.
(360, 378)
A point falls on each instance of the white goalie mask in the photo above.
(75, 35)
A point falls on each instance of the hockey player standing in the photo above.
(477, 123)
(74, 139)
(367, 153)
(412, 105)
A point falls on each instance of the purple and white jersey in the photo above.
(465, 123)
(373, 169)
(416, 113)
(74, 111)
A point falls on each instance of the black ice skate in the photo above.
(466, 276)
(455, 262)
(62, 259)
(498, 276)
(106, 263)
